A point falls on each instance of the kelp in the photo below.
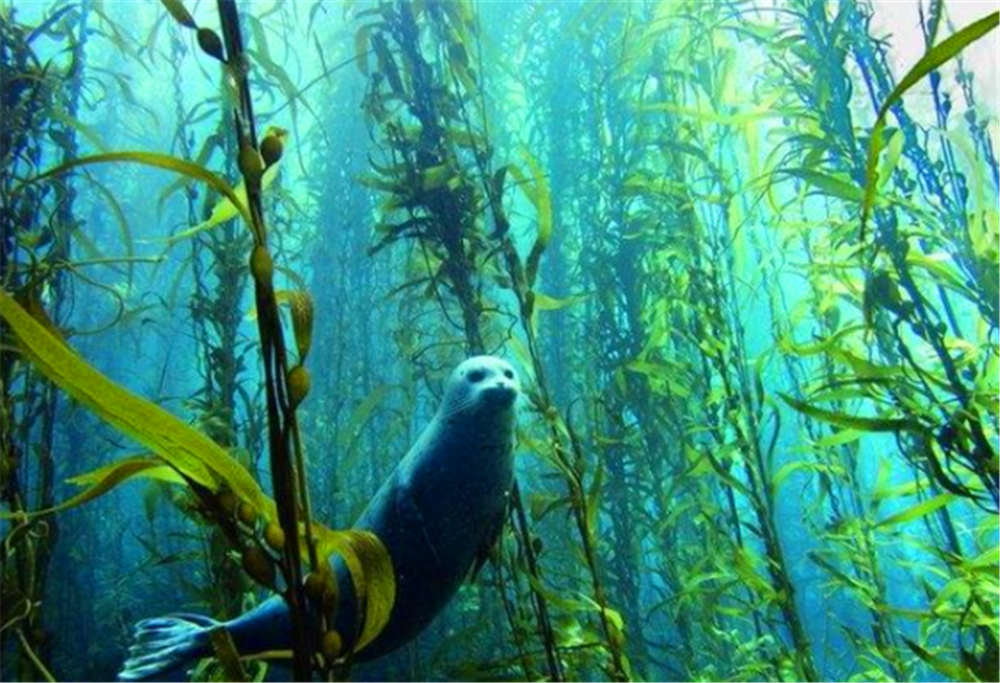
(185, 449)
(40, 104)
(234, 205)
(195, 460)
(936, 57)
(226, 209)
(748, 274)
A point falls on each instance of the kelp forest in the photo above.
(743, 256)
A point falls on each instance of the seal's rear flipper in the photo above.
(166, 643)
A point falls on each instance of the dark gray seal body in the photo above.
(438, 514)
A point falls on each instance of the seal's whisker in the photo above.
(457, 408)
(460, 406)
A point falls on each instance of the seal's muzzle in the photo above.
(500, 394)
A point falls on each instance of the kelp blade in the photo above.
(166, 162)
(181, 446)
(193, 455)
(371, 572)
(226, 209)
(936, 57)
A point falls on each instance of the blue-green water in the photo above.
(743, 256)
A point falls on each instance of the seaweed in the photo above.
(745, 263)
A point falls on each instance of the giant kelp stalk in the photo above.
(565, 448)
(285, 387)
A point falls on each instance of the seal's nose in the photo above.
(502, 392)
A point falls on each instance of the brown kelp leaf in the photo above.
(211, 143)
(544, 302)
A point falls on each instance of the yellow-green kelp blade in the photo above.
(102, 480)
(935, 57)
(191, 456)
(166, 162)
(226, 209)
(181, 446)
(371, 573)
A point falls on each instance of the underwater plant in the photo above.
(743, 256)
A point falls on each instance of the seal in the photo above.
(438, 514)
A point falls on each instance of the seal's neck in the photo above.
(492, 426)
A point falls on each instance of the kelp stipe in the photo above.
(37, 110)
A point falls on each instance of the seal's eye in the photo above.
(509, 374)
(476, 376)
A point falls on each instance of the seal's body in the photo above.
(437, 514)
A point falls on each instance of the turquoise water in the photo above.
(744, 258)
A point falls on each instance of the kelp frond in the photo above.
(192, 458)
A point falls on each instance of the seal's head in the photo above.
(481, 385)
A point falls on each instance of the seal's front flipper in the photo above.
(166, 643)
(490, 541)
